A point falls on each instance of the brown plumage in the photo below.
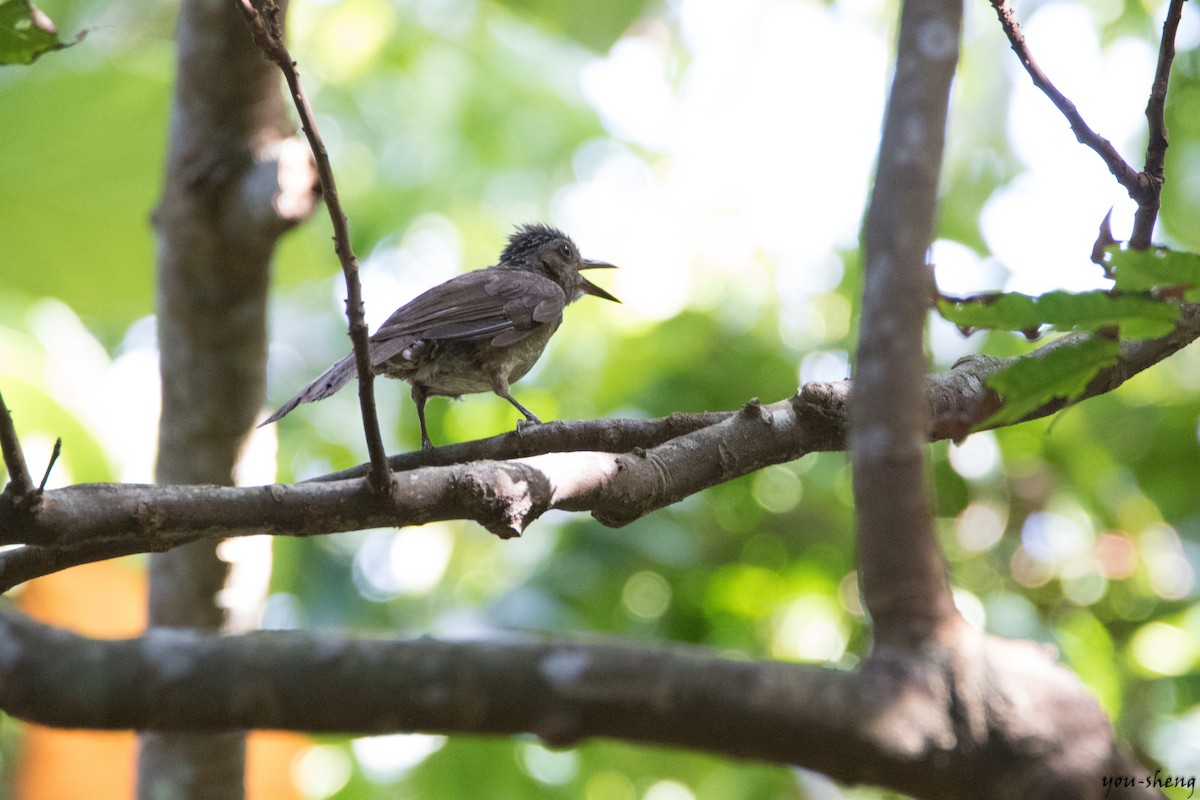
(478, 332)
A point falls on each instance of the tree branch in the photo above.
(268, 35)
(234, 183)
(648, 464)
(20, 484)
(905, 580)
(33, 561)
(607, 436)
(920, 725)
(503, 496)
(1156, 144)
(1133, 181)
(1144, 187)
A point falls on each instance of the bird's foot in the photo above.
(526, 424)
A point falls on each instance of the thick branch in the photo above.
(904, 578)
(233, 184)
(923, 725)
(679, 455)
(503, 496)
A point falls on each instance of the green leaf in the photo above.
(1088, 648)
(1157, 268)
(1061, 372)
(26, 33)
(84, 209)
(596, 26)
(1138, 316)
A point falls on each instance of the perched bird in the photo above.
(478, 332)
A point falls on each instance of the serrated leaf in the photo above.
(1064, 311)
(1010, 312)
(25, 33)
(1156, 268)
(1061, 372)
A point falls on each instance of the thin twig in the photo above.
(558, 436)
(14, 460)
(1156, 144)
(1134, 182)
(268, 35)
(54, 454)
(22, 564)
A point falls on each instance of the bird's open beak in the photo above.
(591, 288)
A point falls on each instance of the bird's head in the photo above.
(550, 252)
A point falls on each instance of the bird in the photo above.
(478, 332)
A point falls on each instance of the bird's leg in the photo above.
(530, 417)
(500, 387)
(419, 396)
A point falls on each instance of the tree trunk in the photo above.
(217, 224)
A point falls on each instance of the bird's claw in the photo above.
(526, 424)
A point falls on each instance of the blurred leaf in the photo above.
(693, 363)
(36, 410)
(744, 590)
(596, 26)
(1062, 372)
(1089, 650)
(77, 207)
(1156, 268)
(26, 33)
(1063, 310)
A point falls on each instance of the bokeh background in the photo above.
(720, 153)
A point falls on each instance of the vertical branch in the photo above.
(19, 480)
(904, 579)
(269, 36)
(225, 203)
(1156, 144)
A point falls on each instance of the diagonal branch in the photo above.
(1144, 187)
(648, 464)
(268, 35)
(1134, 182)
(558, 436)
(503, 496)
(33, 561)
(958, 399)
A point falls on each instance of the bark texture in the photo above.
(228, 194)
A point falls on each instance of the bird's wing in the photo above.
(477, 305)
(502, 305)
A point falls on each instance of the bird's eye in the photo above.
(565, 250)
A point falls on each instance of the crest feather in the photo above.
(527, 239)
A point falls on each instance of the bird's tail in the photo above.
(330, 381)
